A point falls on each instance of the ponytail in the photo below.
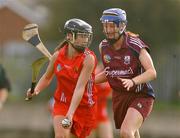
(61, 45)
(132, 34)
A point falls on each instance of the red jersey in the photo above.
(67, 72)
(124, 63)
(103, 91)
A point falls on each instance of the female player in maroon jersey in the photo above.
(75, 96)
(128, 68)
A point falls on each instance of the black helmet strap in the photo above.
(76, 47)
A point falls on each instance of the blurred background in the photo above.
(156, 21)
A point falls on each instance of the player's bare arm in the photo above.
(86, 71)
(3, 96)
(100, 77)
(147, 63)
(45, 79)
(100, 48)
(148, 75)
(48, 75)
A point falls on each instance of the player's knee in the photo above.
(60, 135)
(125, 133)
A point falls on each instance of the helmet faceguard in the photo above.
(79, 30)
(118, 18)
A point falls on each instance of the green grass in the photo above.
(161, 105)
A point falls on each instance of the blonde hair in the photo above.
(132, 34)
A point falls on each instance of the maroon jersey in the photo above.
(124, 63)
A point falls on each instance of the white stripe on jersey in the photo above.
(135, 39)
(140, 86)
(148, 84)
(136, 42)
(141, 73)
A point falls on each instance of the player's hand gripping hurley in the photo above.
(36, 67)
(31, 35)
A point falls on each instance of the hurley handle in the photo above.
(33, 85)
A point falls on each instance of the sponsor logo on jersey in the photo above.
(106, 58)
(58, 68)
(118, 73)
(127, 60)
(139, 105)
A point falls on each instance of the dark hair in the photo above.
(61, 45)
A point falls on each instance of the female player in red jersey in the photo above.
(128, 68)
(75, 96)
(104, 127)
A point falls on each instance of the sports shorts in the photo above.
(84, 119)
(123, 100)
(102, 115)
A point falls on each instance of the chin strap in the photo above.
(77, 48)
(113, 41)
